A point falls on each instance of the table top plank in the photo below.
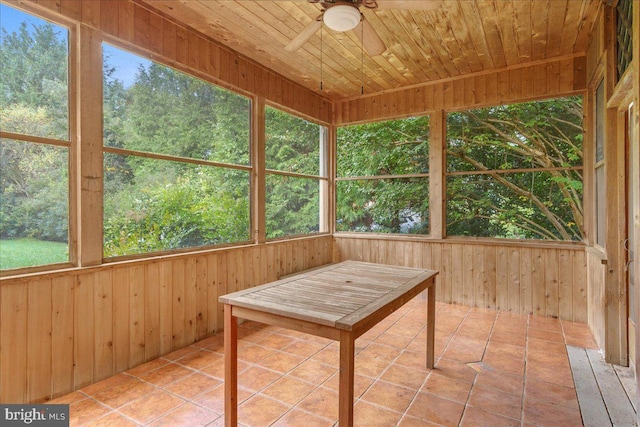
(338, 295)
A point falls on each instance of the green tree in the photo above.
(389, 150)
(34, 101)
(520, 138)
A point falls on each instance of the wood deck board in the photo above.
(602, 396)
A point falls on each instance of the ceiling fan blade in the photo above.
(370, 40)
(408, 4)
(304, 35)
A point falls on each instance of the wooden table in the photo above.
(339, 301)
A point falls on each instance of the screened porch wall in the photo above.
(65, 329)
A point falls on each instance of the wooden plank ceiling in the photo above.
(454, 38)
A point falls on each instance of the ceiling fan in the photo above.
(345, 15)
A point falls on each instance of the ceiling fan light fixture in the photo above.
(342, 17)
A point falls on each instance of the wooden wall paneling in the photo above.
(223, 284)
(193, 55)
(447, 95)
(480, 89)
(38, 340)
(502, 278)
(121, 314)
(169, 40)
(580, 73)
(83, 324)
(213, 306)
(526, 281)
(141, 21)
(165, 293)
(126, 20)
(489, 277)
(457, 277)
(137, 280)
(109, 16)
(13, 343)
(202, 297)
(103, 324)
(190, 303)
(478, 276)
(565, 283)
(468, 276)
(71, 9)
(551, 283)
(91, 13)
(540, 79)
(538, 288)
(205, 55)
(445, 280)
(553, 77)
(527, 82)
(515, 83)
(156, 36)
(513, 278)
(61, 335)
(469, 91)
(436, 262)
(152, 303)
(178, 304)
(182, 45)
(491, 82)
(580, 293)
(566, 75)
(503, 89)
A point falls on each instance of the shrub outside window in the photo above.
(176, 162)
(382, 182)
(295, 156)
(515, 171)
(34, 141)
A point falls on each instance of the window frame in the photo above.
(71, 143)
(323, 178)
(423, 175)
(491, 172)
(250, 167)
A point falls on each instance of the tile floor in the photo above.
(492, 369)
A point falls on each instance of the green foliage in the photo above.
(292, 203)
(523, 204)
(391, 205)
(19, 253)
(33, 177)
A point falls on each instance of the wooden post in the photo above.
(431, 323)
(347, 365)
(230, 367)
(437, 178)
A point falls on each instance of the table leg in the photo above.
(431, 323)
(345, 393)
(230, 368)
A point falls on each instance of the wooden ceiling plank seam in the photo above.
(477, 45)
(556, 27)
(464, 34)
(508, 31)
(522, 24)
(443, 29)
(494, 37)
(436, 64)
(439, 46)
(539, 9)
(394, 54)
(421, 51)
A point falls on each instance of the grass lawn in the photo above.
(18, 253)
